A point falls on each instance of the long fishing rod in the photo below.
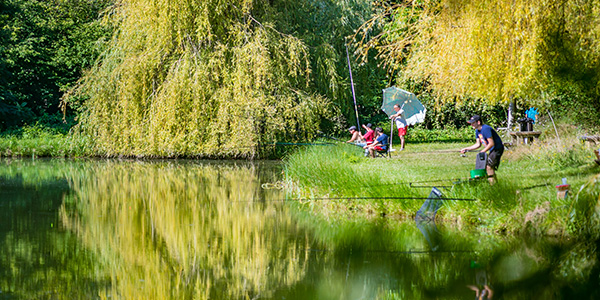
(535, 186)
(411, 183)
(398, 251)
(360, 198)
(431, 186)
(352, 85)
(280, 144)
(440, 151)
(321, 134)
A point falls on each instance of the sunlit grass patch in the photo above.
(523, 199)
(38, 141)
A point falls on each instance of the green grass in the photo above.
(39, 141)
(524, 199)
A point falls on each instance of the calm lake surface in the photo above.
(107, 229)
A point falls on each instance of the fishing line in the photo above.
(431, 186)
(356, 198)
(393, 252)
(280, 144)
(534, 186)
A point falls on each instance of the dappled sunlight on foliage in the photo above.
(542, 53)
(523, 200)
(212, 80)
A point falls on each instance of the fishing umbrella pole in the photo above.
(352, 85)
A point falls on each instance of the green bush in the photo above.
(41, 141)
(423, 135)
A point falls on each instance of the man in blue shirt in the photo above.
(488, 137)
(380, 144)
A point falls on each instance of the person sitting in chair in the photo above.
(369, 136)
(380, 144)
(356, 136)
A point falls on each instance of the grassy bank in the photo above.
(524, 199)
(50, 140)
(40, 141)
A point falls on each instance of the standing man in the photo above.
(400, 123)
(488, 137)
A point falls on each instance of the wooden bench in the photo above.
(592, 139)
(526, 137)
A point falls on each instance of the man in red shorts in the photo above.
(400, 123)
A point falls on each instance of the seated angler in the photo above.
(380, 144)
(356, 136)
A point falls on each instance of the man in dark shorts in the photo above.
(488, 137)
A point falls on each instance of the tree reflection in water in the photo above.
(202, 230)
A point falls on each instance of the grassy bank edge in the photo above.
(524, 200)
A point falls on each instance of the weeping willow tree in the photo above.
(203, 78)
(495, 50)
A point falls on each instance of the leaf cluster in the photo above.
(500, 51)
(45, 45)
(201, 79)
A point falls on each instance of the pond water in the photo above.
(107, 229)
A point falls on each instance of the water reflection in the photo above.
(207, 230)
(179, 231)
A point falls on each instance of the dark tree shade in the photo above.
(44, 47)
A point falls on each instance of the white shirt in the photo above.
(400, 122)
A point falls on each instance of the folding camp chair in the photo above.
(386, 152)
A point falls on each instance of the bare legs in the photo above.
(491, 174)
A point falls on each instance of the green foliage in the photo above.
(586, 209)
(574, 156)
(45, 47)
(535, 53)
(42, 141)
(207, 83)
(423, 135)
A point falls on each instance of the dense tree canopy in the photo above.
(213, 78)
(226, 79)
(533, 52)
(44, 46)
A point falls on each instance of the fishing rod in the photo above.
(534, 186)
(352, 85)
(431, 186)
(280, 144)
(321, 134)
(441, 151)
(454, 181)
(436, 180)
(361, 198)
(398, 251)
(298, 144)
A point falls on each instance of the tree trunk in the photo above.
(511, 111)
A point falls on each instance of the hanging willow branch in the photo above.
(494, 50)
(192, 78)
